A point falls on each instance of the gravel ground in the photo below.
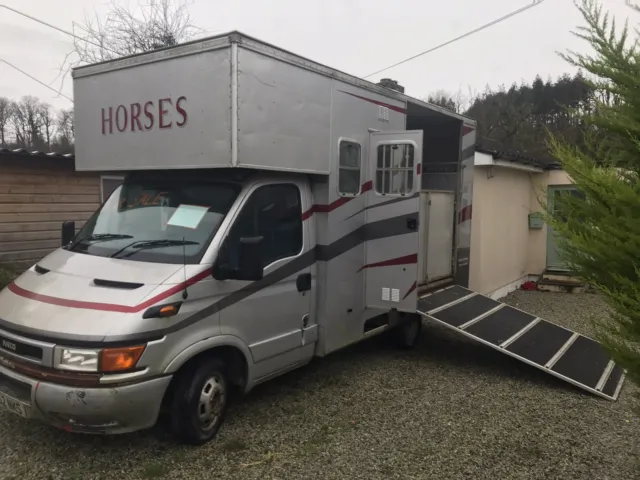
(447, 410)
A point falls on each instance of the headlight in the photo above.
(76, 359)
(97, 360)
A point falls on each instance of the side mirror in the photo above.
(68, 232)
(250, 262)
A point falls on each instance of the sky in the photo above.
(355, 36)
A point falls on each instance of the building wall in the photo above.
(499, 231)
(504, 251)
(36, 196)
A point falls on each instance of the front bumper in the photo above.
(104, 410)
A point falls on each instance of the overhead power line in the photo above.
(464, 35)
(61, 30)
(35, 79)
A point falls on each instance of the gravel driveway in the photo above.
(447, 410)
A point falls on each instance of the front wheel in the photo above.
(200, 403)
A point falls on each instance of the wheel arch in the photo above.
(233, 351)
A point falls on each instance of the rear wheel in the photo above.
(407, 334)
(200, 402)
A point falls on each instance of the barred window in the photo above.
(395, 169)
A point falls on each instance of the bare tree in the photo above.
(5, 116)
(65, 130)
(457, 102)
(47, 123)
(125, 31)
(20, 126)
(27, 123)
(35, 125)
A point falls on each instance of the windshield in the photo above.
(166, 222)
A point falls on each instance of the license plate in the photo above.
(9, 404)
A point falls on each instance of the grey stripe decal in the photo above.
(390, 227)
(372, 231)
(295, 265)
(382, 229)
(383, 204)
(468, 152)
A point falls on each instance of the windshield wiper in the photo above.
(105, 236)
(146, 244)
(100, 237)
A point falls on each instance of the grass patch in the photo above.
(75, 474)
(233, 445)
(155, 470)
(297, 409)
(179, 456)
(318, 442)
(6, 276)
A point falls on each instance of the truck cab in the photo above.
(188, 261)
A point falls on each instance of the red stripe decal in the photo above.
(466, 129)
(413, 287)
(465, 214)
(377, 102)
(406, 260)
(108, 307)
(333, 205)
(366, 187)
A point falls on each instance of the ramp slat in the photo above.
(443, 297)
(611, 387)
(467, 310)
(558, 351)
(540, 343)
(584, 361)
(500, 326)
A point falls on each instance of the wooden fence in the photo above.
(38, 193)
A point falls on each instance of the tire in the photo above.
(195, 421)
(407, 334)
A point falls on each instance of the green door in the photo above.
(554, 260)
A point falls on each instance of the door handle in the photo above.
(412, 223)
(303, 282)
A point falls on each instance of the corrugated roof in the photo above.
(502, 152)
(22, 151)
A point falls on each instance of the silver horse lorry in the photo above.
(273, 210)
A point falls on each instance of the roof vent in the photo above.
(392, 84)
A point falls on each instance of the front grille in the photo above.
(15, 389)
(19, 348)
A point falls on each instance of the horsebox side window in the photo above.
(273, 212)
(395, 169)
(349, 160)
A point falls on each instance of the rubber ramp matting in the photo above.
(556, 350)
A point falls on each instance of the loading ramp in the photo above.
(556, 350)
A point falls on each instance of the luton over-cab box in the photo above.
(211, 104)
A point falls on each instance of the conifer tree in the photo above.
(598, 231)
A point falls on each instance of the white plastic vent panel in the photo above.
(383, 113)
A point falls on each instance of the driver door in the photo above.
(272, 315)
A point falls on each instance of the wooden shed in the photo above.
(38, 192)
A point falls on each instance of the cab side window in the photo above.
(273, 212)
